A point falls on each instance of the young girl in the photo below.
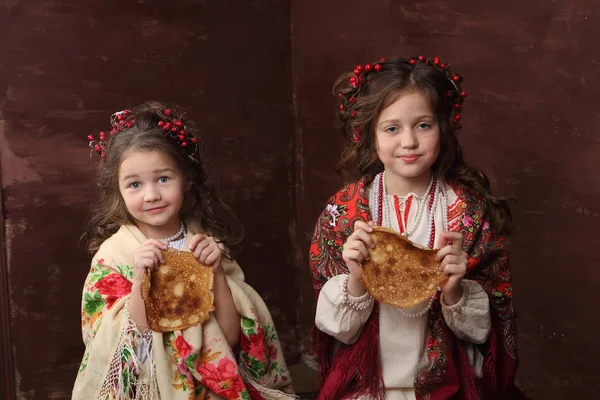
(401, 119)
(154, 194)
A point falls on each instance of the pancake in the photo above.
(179, 294)
(400, 273)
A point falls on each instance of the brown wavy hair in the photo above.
(362, 106)
(202, 209)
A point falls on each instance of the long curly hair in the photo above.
(362, 103)
(202, 209)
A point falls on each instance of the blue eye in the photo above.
(163, 179)
(423, 125)
(135, 185)
(391, 129)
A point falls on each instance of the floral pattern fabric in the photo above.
(201, 364)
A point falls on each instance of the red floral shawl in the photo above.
(356, 369)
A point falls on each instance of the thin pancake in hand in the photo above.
(400, 273)
(179, 294)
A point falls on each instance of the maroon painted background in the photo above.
(263, 100)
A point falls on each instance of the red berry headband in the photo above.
(173, 128)
(363, 76)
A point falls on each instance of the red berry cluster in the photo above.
(357, 81)
(175, 129)
(454, 100)
(119, 121)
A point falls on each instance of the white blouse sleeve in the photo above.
(469, 319)
(339, 314)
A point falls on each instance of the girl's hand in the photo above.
(454, 263)
(207, 251)
(147, 256)
(355, 251)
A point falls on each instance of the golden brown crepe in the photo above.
(400, 272)
(179, 294)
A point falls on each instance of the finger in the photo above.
(361, 235)
(453, 238)
(146, 263)
(142, 264)
(371, 223)
(157, 254)
(448, 250)
(148, 254)
(156, 243)
(213, 257)
(150, 259)
(454, 270)
(197, 238)
(362, 225)
(205, 253)
(362, 249)
(353, 255)
(200, 248)
(449, 259)
(160, 255)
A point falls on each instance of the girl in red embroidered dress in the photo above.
(401, 118)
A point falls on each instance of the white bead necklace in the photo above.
(180, 232)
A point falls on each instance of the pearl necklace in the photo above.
(180, 232)
(385, 207)
(380, 213)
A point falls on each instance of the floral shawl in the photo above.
(195, 363)
(355, 370)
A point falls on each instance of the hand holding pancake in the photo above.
(355, 252)
(147, 256)
(453, 263)
(400, 273)
(207, 251)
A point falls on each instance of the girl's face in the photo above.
(408, 139)
(152, 187)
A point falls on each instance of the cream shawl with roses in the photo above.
(192, 364)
